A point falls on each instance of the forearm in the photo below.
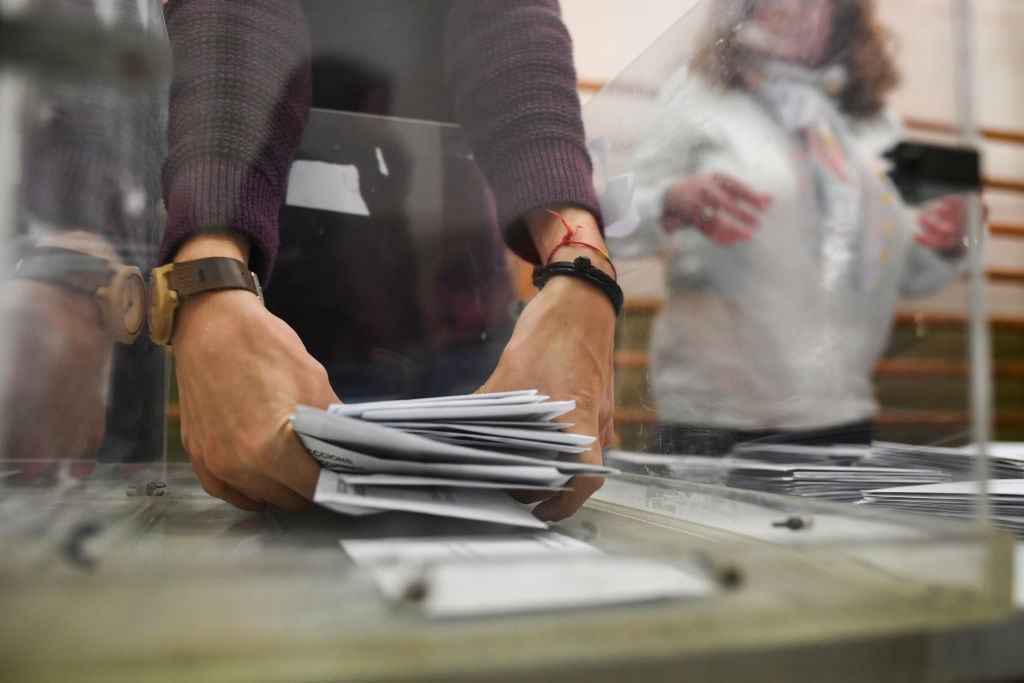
(548, 234)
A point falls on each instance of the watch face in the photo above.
(131, 303)
(123, 303)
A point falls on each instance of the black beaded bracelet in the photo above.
(582, 268)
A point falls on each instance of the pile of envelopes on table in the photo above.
(957, 498)
(453, 456)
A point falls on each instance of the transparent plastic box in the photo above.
(116, 565)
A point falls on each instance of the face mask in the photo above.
(790, 30)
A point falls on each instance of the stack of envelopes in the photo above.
(454, 456)
(959, 462)
(958, 499)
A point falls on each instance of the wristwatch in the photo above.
(118, 289)
(171, 284)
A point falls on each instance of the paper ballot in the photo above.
(453, 456)
(482, 505)
(471, 576)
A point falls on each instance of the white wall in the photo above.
(609, 34)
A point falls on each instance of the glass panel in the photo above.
(83, 113)
(417, 207)
(782, 273)
(391, 269)
(770, 248)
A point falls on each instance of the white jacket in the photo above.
(760, 334)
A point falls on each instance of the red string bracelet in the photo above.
(567, 239)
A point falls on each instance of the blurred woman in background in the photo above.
(788, 246)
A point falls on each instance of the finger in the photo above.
(260, 487)
(607, 437)
(529, 496)
(568, 502)
(721, 231)
(934, 242)
(725, 204)
(938, 231)
(220, 489)
(296, 467)
(741, 191)
(256, 485)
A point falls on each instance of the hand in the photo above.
(241, 372)
(717, 204)
(562, 345)
(54, 399)
(943, 224)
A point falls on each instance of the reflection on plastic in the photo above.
(81, 385)
(327, 187)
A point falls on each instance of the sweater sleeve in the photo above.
(508, 66)
(239, 103)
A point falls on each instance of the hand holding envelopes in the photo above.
(449, 456)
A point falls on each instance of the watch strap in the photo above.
(81, 272)
(189, 278)
(172, 283)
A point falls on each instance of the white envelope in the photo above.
(337, 458)
(481, 505)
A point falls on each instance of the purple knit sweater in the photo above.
(241, 96)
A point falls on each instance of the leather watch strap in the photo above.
(172, 283)
(205, 274)
(82, 272)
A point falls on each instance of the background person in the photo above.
(788, 246)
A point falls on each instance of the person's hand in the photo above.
(943, 224)
(54, 400)
(562, 346)
(241, 372)
(719, 205)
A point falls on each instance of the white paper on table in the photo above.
(1011, 488)
(480, 505)
(1018, 575)
(1011, 450)
(473, 576)
(385, 442)
(418, 550)
(339, 459)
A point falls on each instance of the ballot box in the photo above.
(716, 549)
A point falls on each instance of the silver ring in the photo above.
(707, 213)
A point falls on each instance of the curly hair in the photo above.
(861, 45)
